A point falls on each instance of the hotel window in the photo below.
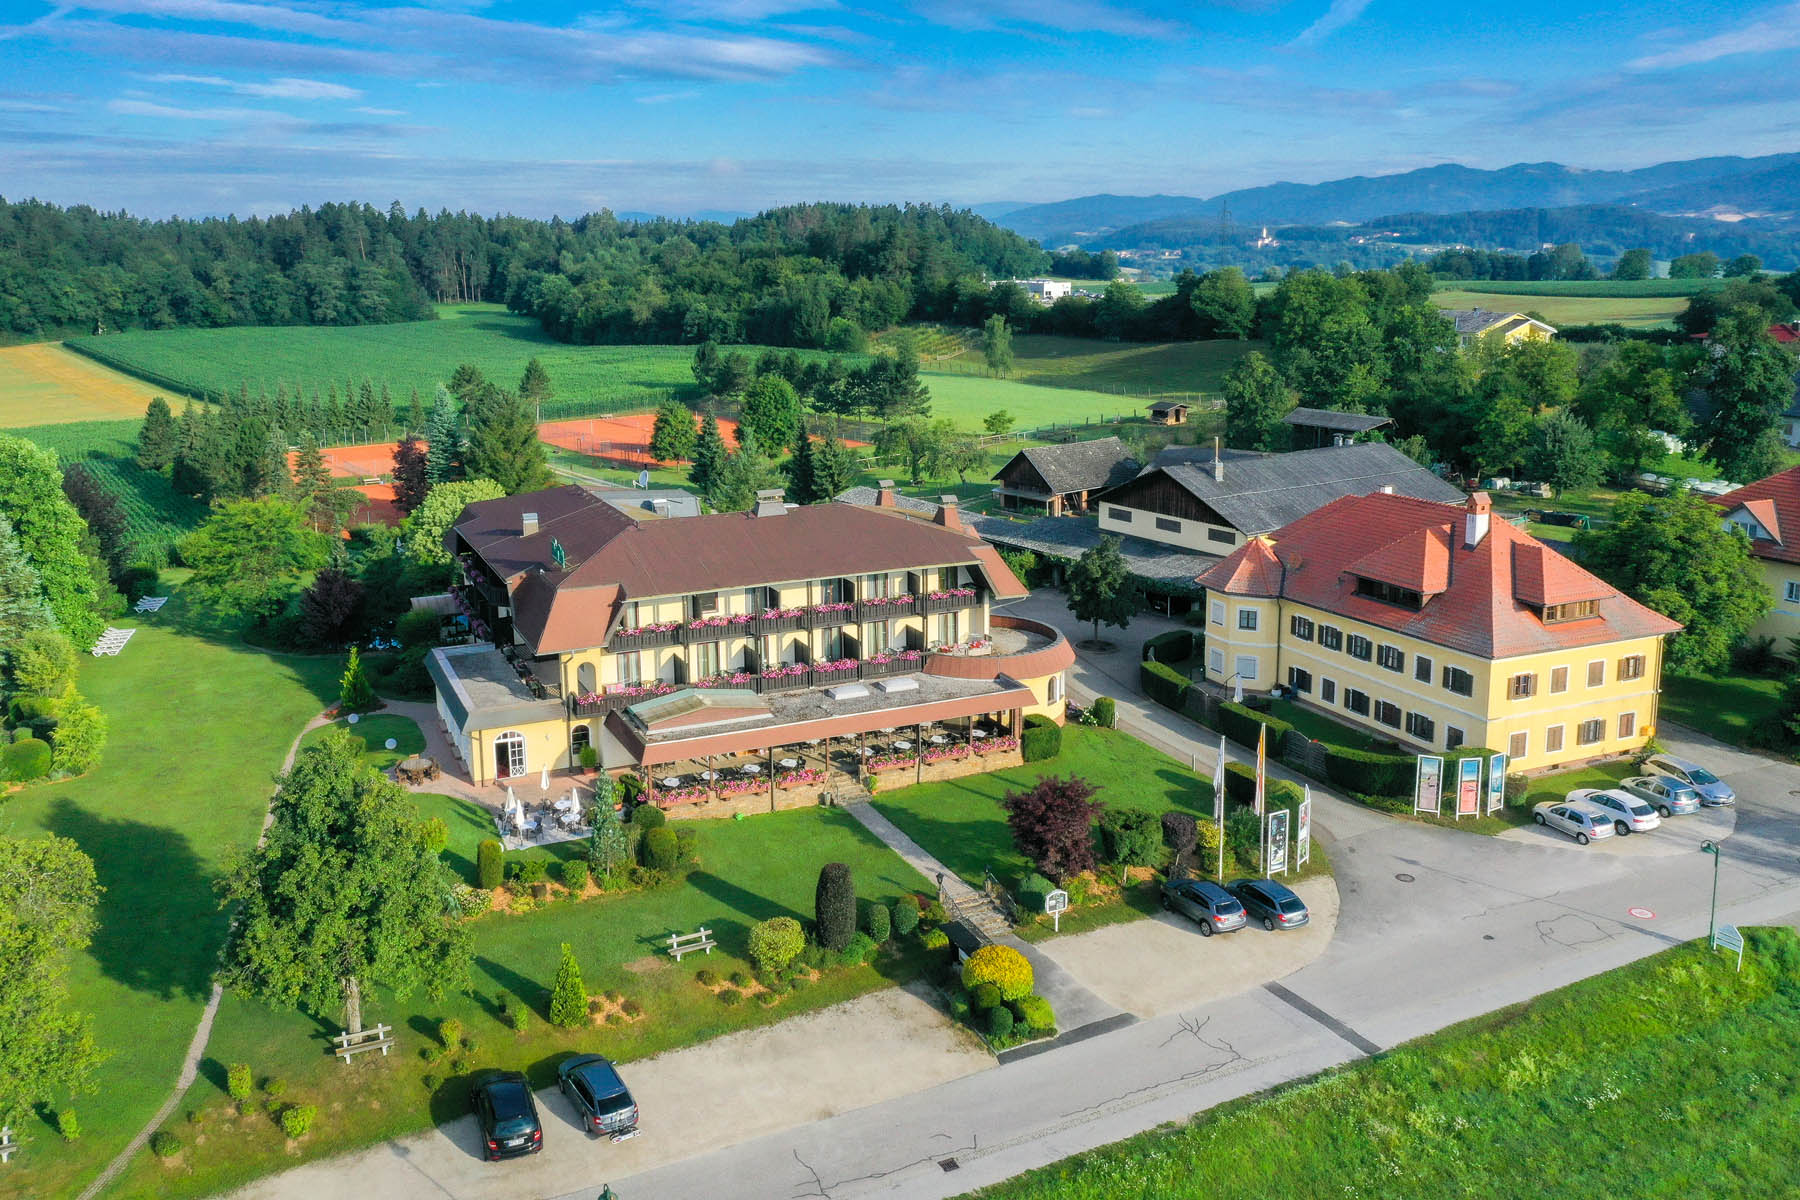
(1357, 702)
(1422, 669)
(579, 739)
(1559, 679)
(704, 659)
(1215, 661)
(1596, 673)
(1168, 525)
(875, 585)
(1791, 592)
(628, 617)
(1387, 714)
(1053, 689)
(1247, 667)
(949, 628)
(705, 604)
(1221, 535)
(1553, 739)
(1422, 727)
(1301, 627)
(1522, 687)
(1391, 657)
(1331, 637)
(1515, 748)
(1589, 732)
(1389, 593)
(1300, 680)
(1327, 691)
(1459, 681)
(1246, 618)
(1120, 514)
(1627, 724)
(876, 635)
(1453, 737)
(1631, 667)
(1552, 613)
(1359, 646)
(630, 667)
(1216, 612)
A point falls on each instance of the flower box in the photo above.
(996, 745)
(889, 762)
(737, 679)
(948, 753)
(835, 671)
(804, 777)
(682, 795)
(737, 787)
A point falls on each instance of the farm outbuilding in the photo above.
(1169, 412)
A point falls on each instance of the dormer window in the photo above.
(1389, 593)
(1550, 614)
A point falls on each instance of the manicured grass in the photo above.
(748, 870)
(1726, 707)
(968, 399)
(1584, 309)
(1131, 369)
(1507, 1105)
(1558, 784)
(1603, 288)
(198, 730)
(43, 383)
(375, 730)
(1318, 727)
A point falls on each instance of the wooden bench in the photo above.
(687, 943)
(376, 1037)
(1727, 937)
(9, 1146)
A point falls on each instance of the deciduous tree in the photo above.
(1256, 398)
(996, 346)
(1747, 380)
(1563, 453)
(430, 522)
(1101, 587)
(1052, 824)
(50, 534)
(673, 435)
(411, 473)
(1633, 264)
(250, 554)
(770, 412)
(328, 609)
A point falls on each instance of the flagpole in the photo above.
(1219, 802)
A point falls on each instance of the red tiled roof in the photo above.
(1484, 606)
(1785, 332)
(1251, 570)
(1775, 503)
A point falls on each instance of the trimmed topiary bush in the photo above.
(1041, 739)
(1035, 1013)
(877, 922)
(999, 1023)
(1180, 831)
(662, 852)
(1164, 684)
(490, 864)
(569, 998)
(25, 760)
(1106, 711)
(834, 906)
(574, 873)
(905, 916)
(1241, 725)
(648, 817)
(984, 996)
(1131, 837)
(774, 943)
(1002, 966)
(1033, 890)
(1240, 783)
(238, 1081)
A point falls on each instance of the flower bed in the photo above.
(959, 593)
(693, 794)
(995, 745)
(737, 679)
(803, 777)
(719, 622)
(837, 608)
(660, 627)
(777, 614)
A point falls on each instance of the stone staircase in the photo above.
(976, 910)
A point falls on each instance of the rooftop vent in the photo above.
(901, 684)
(1387, 489)
(768, 503)
(1218, 463)
(848, 691)
(528, 524)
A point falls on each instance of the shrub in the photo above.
(1371, 773)
(934, 913)
(905, 916)
(1164, 684)
(1180, 832)
(589, 757)
(769, 999)
(165, 1144)
(418, 628)
(1042, 739)
(68, 1124)
(1035, 1013)
(1131, 837)
(877, 922)
(276, 1088)
(834, 906)
(730, 996)
(775, 942)
(137, 581)
(706, 977)
(1243, 835)
(518, 1014)
(435, 833)
(661, 851)
(355, 691)
(25, 760)
(32, 710)
(1240, 783)
(1106, 711)
(297, 1119)
(1177, 645)
(529, 871)
(42, 663)
(1206, 845)
(450, 1031)
(1240, 724)
(934, 939)
(238, 1081)
(574, 874)
(984, 996)
(648, 817)
(490, 863)
(1000, 1023)
(631, 1008)
(1002, 966)
(861, 949)
(687, 842)
(1033, 891)
(740, 979)
(569, 998)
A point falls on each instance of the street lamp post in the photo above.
(1712, 921)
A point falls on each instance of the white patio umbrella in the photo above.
(544, 780)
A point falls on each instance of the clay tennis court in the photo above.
(622, 439)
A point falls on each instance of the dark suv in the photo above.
(508, 1116)
(1274, 904)
(600, 1097)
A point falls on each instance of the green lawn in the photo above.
(376, 730)
(1721, 706)
(1134, 369)
(198, 730)
(1640, 311)
(1674, 1088)
(1319, 727)
(967, 399)
(748, 870)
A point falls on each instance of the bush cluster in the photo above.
(1035, 1013)
(648, 816)
(877, 922)
(490, 864)
(1106, 711)
(862, 949)
(1041, 739)
(165, 1144)
(984, 996)
(1000, 1022)
(905, 917)
(238, 1081)
(1164, 684)
(1240, 723)
(662, 851)
(1005, 968)
(574, 873)
(297, 1119)
(1131, 837)
(774, 943)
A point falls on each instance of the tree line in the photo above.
(1567, 261)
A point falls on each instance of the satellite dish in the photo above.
(392, 744)
(353, 718)
(643, 479)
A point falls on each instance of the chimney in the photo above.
(1218, 463)
(887, 497)
(1475, 520)
(1387, 489)
(528, 524)
(768, 504)
(948, 514)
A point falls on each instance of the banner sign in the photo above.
(1496, 791)
(1262, 763)
(1275, 849)
(1428, 785)
(1219, 801)
(1303, 836)
(1468, 787)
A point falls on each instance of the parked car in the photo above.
(508, 1116)
(1667, 795)
(1215, 909)
(1713, 790)
(1274, 904)
(1629, 814)
(600, 1097)
(1583, 822)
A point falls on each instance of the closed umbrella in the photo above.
(544, 780)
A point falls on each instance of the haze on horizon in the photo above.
(198, 107)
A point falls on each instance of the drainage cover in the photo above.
(1487, 937)
(1403, 877)
(949, 1164)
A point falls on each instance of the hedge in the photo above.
(1042, 739)
(1106, 712)
(1177, 645)
(26, 759)
(1164, 684)
(1131, 837)
(1239, 722)
(1002, 966)
(1240, 788)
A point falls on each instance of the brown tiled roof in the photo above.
(1775, 503)
(1419, 560)
(1251, 570)
(1484, 606)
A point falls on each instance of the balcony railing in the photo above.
(885, 609)
(644, 638)
(949, 600)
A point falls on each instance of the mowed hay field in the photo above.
(1141, 369)
(1639, 302)
(43, 384)
(967, 399)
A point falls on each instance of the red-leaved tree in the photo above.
(410, 482)
(1052, 824)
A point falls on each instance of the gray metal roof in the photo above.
(1338, 422)
(661, 502)
(1070, 537)
(866, 496)
(1474, 320)
(482, 690)
(1081, 466)
(1260, 495)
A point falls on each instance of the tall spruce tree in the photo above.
(443, 441)
(464, 380)
(834, 468)
(312, 484)
(158, 439)
(801, 471)
(672, 436)
(534, 385)
(415, 415)
(22, 605)
(742, 475)
(709, 455)
(503, 443)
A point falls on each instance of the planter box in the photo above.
(778, 624)
(782, 683)
(941, 604)
(641, 640)
(867, 610)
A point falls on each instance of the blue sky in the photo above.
(211, 106)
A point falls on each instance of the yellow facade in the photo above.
(1544, 710)
(1190, 534)
(1783, 620)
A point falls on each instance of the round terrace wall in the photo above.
(1033, 653)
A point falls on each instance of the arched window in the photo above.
(509, 755)
(586, 679)
(1053, 690)
(579, 739)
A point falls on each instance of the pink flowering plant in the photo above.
(946, 753)
(788, 672)
(692, 794)
(800, 778)
(775, 614)
(950, 593)
(888, 762)
(737, 787)
(995, 745)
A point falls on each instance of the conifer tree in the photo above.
(709, 455)
(312, 482)
(672, 437)
(834, 468)
(534, 385)
(465, 380)
(415, 415)
(801, 471)
(503, 443)
(569, 998)
(742, 475)
(158, 438)
(443, 442)
(22, 605)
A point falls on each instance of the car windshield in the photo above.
(618, 1102)
(1702, 776)
(1227, 907)
(1292, 905)
(1641, 810)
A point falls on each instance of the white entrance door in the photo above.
(509, 755)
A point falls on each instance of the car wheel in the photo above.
(1664, 810)
(1621, 828)
(1165, 903)
(1206, 929)
(1269, 924)
(1582, 838)
(1539, 818)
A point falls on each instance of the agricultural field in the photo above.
(41, 383)
(1589, 288)
(1639, 311)
(156, 515)
(1137, 369)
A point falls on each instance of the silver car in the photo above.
(1667, 795)
(1713, 790)
(1629, 814)
(1583, 822)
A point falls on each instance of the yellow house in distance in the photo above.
(1434, 626)
(1474, 324)
(1768, 511)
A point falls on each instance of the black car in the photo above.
(600, 1097)
(1208, 904)
(1274, 904)
(508, 1116)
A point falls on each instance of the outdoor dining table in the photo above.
(979, 733)
(790, 763)
(938, 739)
(671, 781)
(709, 776)
(867, 752)
(564, 805)
(903, 745)
(752, 769)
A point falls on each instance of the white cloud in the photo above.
(1778, 30)
(379, 112)
(171, 112)
(1063, 16)
(285, 88)
(1340, 14)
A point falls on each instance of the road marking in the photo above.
(1322, 1017)
(1642, 914)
